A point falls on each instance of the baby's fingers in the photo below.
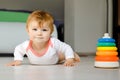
(68, 64)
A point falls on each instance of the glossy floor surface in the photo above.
(84, 70)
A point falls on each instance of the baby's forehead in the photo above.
(39, 24)
(43, 22)
(43, 25)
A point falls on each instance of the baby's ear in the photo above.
(27, 30)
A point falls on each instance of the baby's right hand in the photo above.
(15, 63)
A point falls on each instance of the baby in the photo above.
(41, 48)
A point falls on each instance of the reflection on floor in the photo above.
(84, 70)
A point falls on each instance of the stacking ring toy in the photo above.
(106, 58)
(106, 53)
(106, 40)
(106, 48)
(106, 44)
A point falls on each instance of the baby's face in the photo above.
(37, 33)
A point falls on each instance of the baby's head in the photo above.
(41, 17)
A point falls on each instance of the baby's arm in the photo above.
(19, 53)
(66, 53)
(15, 63)
(71, 61)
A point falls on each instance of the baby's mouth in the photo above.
(39, 37)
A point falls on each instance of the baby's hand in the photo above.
(14, 63)
(69, 62)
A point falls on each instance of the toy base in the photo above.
(99, 64)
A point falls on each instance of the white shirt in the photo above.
(49, 56)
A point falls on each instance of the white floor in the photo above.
(84, 70)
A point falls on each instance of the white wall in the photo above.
(56, 7)
(85, 22)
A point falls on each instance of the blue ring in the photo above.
(106, 40)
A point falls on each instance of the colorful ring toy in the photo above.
(106, 44)
(106, 53)
(106, 58)
(106, 40)
(106, 48)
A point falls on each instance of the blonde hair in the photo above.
(41, 17)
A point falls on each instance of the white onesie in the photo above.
(49, 56)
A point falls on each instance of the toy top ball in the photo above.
(106, 38)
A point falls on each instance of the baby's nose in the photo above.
(39, 32)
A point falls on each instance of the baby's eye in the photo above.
(34, 29)
(44, 29)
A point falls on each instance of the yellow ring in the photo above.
(106, 53)
(106, 48)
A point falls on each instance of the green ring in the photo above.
(106, 44)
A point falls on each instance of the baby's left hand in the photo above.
(69, 62)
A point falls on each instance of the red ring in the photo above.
(106, 58)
